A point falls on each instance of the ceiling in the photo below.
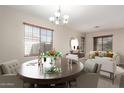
(82, 18)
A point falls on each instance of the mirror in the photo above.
(74, 44)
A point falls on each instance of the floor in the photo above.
(105, 82)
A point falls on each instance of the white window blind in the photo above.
(103, 43)
(37, 39)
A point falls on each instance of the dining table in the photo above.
(33, 73)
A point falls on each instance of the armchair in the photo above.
(10, 81)
(8, 75)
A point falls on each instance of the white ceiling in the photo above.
(83, 18)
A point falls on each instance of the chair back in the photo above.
(92, 67)
(10, 67)
(90, 75)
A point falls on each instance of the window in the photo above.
(103, 43)
(83, 44)
(37, 39)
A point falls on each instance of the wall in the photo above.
(118, 40)
(12, 34)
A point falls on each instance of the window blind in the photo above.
(37, 39)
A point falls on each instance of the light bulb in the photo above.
(57, 14)
(65, 21)
(65, 16)
(51, 19)
(57, 22)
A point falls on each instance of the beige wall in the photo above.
(12, 34)
(118, 40)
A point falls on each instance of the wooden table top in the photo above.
(31, 72)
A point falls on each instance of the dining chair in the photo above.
(90, 75)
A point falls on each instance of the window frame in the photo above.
(40, 27)
(105, 36)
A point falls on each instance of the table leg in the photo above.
(52, 85)
(35, 85)
(23, 85)
(68, 84)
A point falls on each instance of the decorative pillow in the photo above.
(110, 54)
(96, 53)
(101, 54)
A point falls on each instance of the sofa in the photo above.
(108, 60)
(112, 56)
(8, 74)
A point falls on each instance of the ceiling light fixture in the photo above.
(58, 18)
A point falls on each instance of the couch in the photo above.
(109, 61)
(103, 54)
(8, 74)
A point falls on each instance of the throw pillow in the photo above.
(101, 54)
(110, 54)
(96, 53)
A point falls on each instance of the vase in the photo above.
(58, 62)
(52, 62)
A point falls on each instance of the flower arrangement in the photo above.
(53, 53)
(55, 57)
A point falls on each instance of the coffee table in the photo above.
(30, 72)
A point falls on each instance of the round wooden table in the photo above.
(30, 72)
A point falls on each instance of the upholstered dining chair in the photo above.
(90, 75)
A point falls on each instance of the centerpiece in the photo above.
(51, 61)
(54, 55)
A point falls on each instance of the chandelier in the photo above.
(58, 18)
